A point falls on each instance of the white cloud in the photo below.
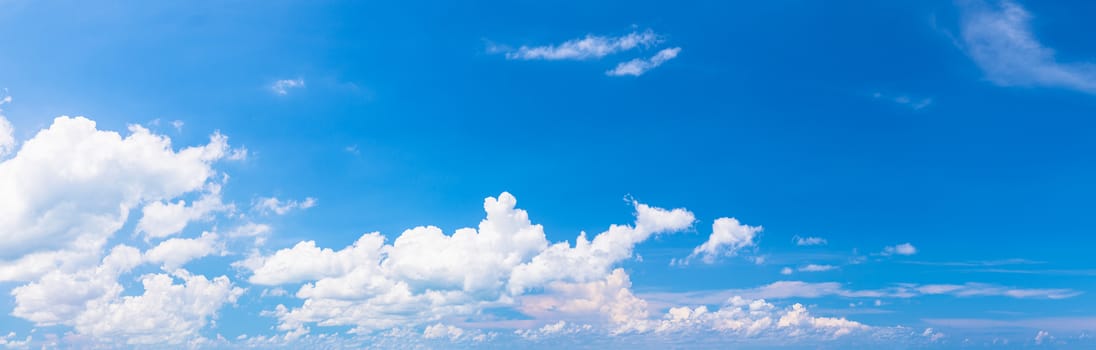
(7, 137)
(281, 87)
(727, 239)
(425, 275)
(165, 313)
(808, 241)
(561, 328)
(589, 47)
(442, 331)
(175, 252)
(71, 187)
(1042, 336)
(901, 249)
(786, 271)
(638, 66)
(933, 335)
(999, 39)
(274, 205)
(161, 219)
(816, 268)
(67, 191)
(800, 289)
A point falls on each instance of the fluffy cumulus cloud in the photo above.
(425, 275)
(68, 190)
(998, 37)
(728, 237)
(429, 279)
(589, 47)
(72, 186)
(638, 66)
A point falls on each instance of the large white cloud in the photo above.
(425, 275)
(68, 190)
(72, 186)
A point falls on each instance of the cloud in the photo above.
(67, 191)
(274, 205)
(800, 289)
(426, 275)
(161, 219)
(91, 301)
(1041, 336)
(999, 39)
(175, 252)
(727, 239)
(7, 138)
(589, 47)
(915, 103)
(281, 87)
(786, 271)
(71, 187)
(816, 268)
(638, 66)
(809, 241)
(901, 249)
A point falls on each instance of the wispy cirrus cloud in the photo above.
(800, 289)
(282, 87)
(998, 37)
(638, 66)
(594, 47)
(589, 47)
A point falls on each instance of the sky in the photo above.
(641, 174)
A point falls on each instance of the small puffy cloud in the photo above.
(282, 87)
(809, 241)
(589, 47)
(1042, 336)
(901, 249)
(638, 66)
(268, 205)
(786, 271)
(998, 37)
(727, 238)
(931, 334)
(442, 331)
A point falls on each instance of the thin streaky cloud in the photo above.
(589, 47)
(638, 66)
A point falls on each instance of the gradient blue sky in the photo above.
(940, 151)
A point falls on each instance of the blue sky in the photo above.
(791, 174)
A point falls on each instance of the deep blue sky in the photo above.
(867, 124)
